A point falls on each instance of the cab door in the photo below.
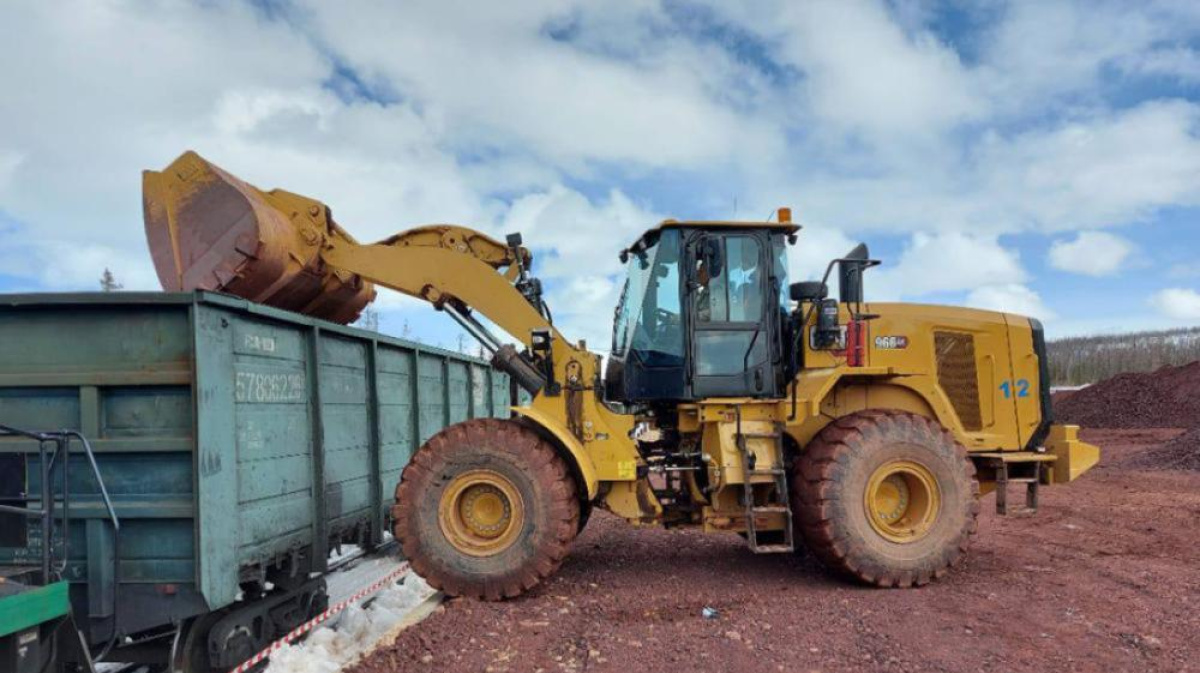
(732, 334)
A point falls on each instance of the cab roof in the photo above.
(784, 227)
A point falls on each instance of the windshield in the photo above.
(648, 323)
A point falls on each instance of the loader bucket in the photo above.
(208, 230)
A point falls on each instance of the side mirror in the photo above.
(850, 274)
(810, 290)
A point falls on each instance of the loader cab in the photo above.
(702, 314)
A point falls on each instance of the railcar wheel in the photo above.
(486, 509)
(886, 497)
(189, 653)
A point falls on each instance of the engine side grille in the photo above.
(958, 376)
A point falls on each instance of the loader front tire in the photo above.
(888, 498)
(486, 509)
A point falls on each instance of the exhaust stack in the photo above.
(208, 230)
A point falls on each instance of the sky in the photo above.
(1040, 157)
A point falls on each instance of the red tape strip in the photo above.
(323, 617)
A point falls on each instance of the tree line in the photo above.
(1077, 361)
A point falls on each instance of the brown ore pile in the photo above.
(1166, 398)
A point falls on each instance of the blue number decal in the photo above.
(1022, 388)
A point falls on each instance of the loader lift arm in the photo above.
(210, 230)
(455, 269)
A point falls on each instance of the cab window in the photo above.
(729, 297)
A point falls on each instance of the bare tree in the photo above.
(108, 282)
(1082, 360)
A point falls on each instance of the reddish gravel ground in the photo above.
(1181, 453)
(1106, 577)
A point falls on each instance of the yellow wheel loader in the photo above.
(731, 400)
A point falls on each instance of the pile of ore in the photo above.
(1166, 398)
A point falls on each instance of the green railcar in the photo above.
(31, 618)
(238, 443)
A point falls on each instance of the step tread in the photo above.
(1019, 511)
(773, 548)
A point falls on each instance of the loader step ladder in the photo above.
(779, 483)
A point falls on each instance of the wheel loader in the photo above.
(731, 399)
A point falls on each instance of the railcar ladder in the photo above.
(779, 483)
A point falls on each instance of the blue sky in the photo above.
(1037, 157)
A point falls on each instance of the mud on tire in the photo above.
(544, 509)
(831, 480)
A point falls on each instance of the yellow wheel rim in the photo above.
(902, 501)
(481, 513)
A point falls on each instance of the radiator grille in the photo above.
(958, 376)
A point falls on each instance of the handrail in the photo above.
(62, 442)
(46, 511)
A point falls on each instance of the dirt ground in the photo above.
(1106, 577)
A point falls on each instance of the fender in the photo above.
(910, 391)
(583, 462)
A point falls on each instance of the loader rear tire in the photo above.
(486, 509)
(888, 498)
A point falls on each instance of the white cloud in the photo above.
(1010, 298)
(9, 161)
(62, 265)
(1046, 50)
(146, 96)
(1094, 170)
(574, 233)
(494, 76)
(577, 245)
(583, 308)
(1177, 303)
(1177, 63)
(863, 72)
(947, 262)
(581, 123)
(1100, 170)
(815, 246)
(1092, 253)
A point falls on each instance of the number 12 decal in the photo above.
(1022, 388)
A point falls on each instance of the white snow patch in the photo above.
(346, 551)
(1067, 389)
(330, 648)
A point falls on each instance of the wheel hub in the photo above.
(485, 510)
(481, 513)
(902, 500)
